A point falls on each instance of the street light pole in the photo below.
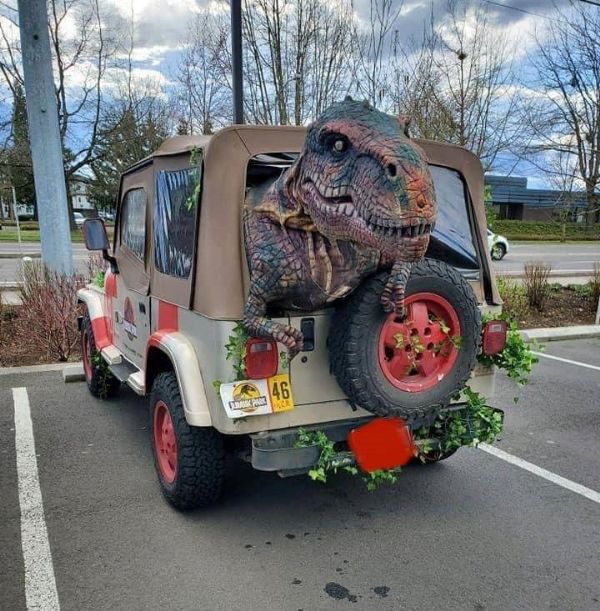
(44, 137)
(236, 61)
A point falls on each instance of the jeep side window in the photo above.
(133, 222)
(175, 211)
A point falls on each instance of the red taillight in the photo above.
(261, 358)
(494, 337)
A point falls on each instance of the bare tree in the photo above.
(84, 48)
(297, 58)
(203, 87)
(456, 84)
(374, 43)
(564, 118)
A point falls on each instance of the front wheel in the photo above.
(101, 383)
(189, 460)
(498, 251)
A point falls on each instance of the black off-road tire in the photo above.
(435, 457)
(200, 468)
(354, 337)
(100, 382)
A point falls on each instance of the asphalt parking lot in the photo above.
(474, 532)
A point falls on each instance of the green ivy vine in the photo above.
(329, 462)
(475, 423)
(195, 160)
(98, 279)
(517, 358)
(236, 353)
(103, 372)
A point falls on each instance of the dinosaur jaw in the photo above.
(337, 216)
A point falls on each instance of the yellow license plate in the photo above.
(280, 391)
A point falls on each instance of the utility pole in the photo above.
(44, 137)
(236, 61)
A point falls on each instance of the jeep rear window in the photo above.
(133, 222)
(175, 221)
(452, 238)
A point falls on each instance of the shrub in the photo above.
(540, 230)
(96, 268)
(30, 226)
(514, 296)
(47, 319)
(536, 284)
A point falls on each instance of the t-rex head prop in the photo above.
(360, 178)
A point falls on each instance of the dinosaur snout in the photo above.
(420, 195)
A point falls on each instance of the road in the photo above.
(572, 257)
(474, 532)
(10, 268)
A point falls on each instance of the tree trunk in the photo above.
(72, 223)
(592, 205)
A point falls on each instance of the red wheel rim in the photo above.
(165, 444)
(85, 355)
(417, 352)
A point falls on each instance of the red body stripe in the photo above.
(168, 316)
(101, 334)
(110, 284)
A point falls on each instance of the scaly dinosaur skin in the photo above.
(359, 198)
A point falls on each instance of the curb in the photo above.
(73, 373)
(6, 371)
(18, 255)
(553, 334)
(556, 273)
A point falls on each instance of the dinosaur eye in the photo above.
(340, 145)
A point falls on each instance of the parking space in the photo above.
(472, 533)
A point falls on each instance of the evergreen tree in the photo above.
(18, 154)
(129, 133)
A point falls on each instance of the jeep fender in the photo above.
(182, 357)
(94, 302)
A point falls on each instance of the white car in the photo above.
(79, 219)
(497, 244)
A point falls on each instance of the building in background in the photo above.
(79, 188)
(512, 200)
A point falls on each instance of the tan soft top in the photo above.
(221, 279)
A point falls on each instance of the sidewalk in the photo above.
(551, 334)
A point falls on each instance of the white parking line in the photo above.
(569, 361)
(40, 584)
(588, 493)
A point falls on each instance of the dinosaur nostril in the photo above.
(392, 170)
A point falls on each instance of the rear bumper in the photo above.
(276, 450)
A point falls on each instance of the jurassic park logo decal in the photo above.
(257, 397)
(247, 398)
(129, 320)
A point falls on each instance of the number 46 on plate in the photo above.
(280, 390)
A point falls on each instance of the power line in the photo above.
(522, 10)
(590, 2)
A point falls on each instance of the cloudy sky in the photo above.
(161, 25)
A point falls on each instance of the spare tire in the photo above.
(413, 366)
